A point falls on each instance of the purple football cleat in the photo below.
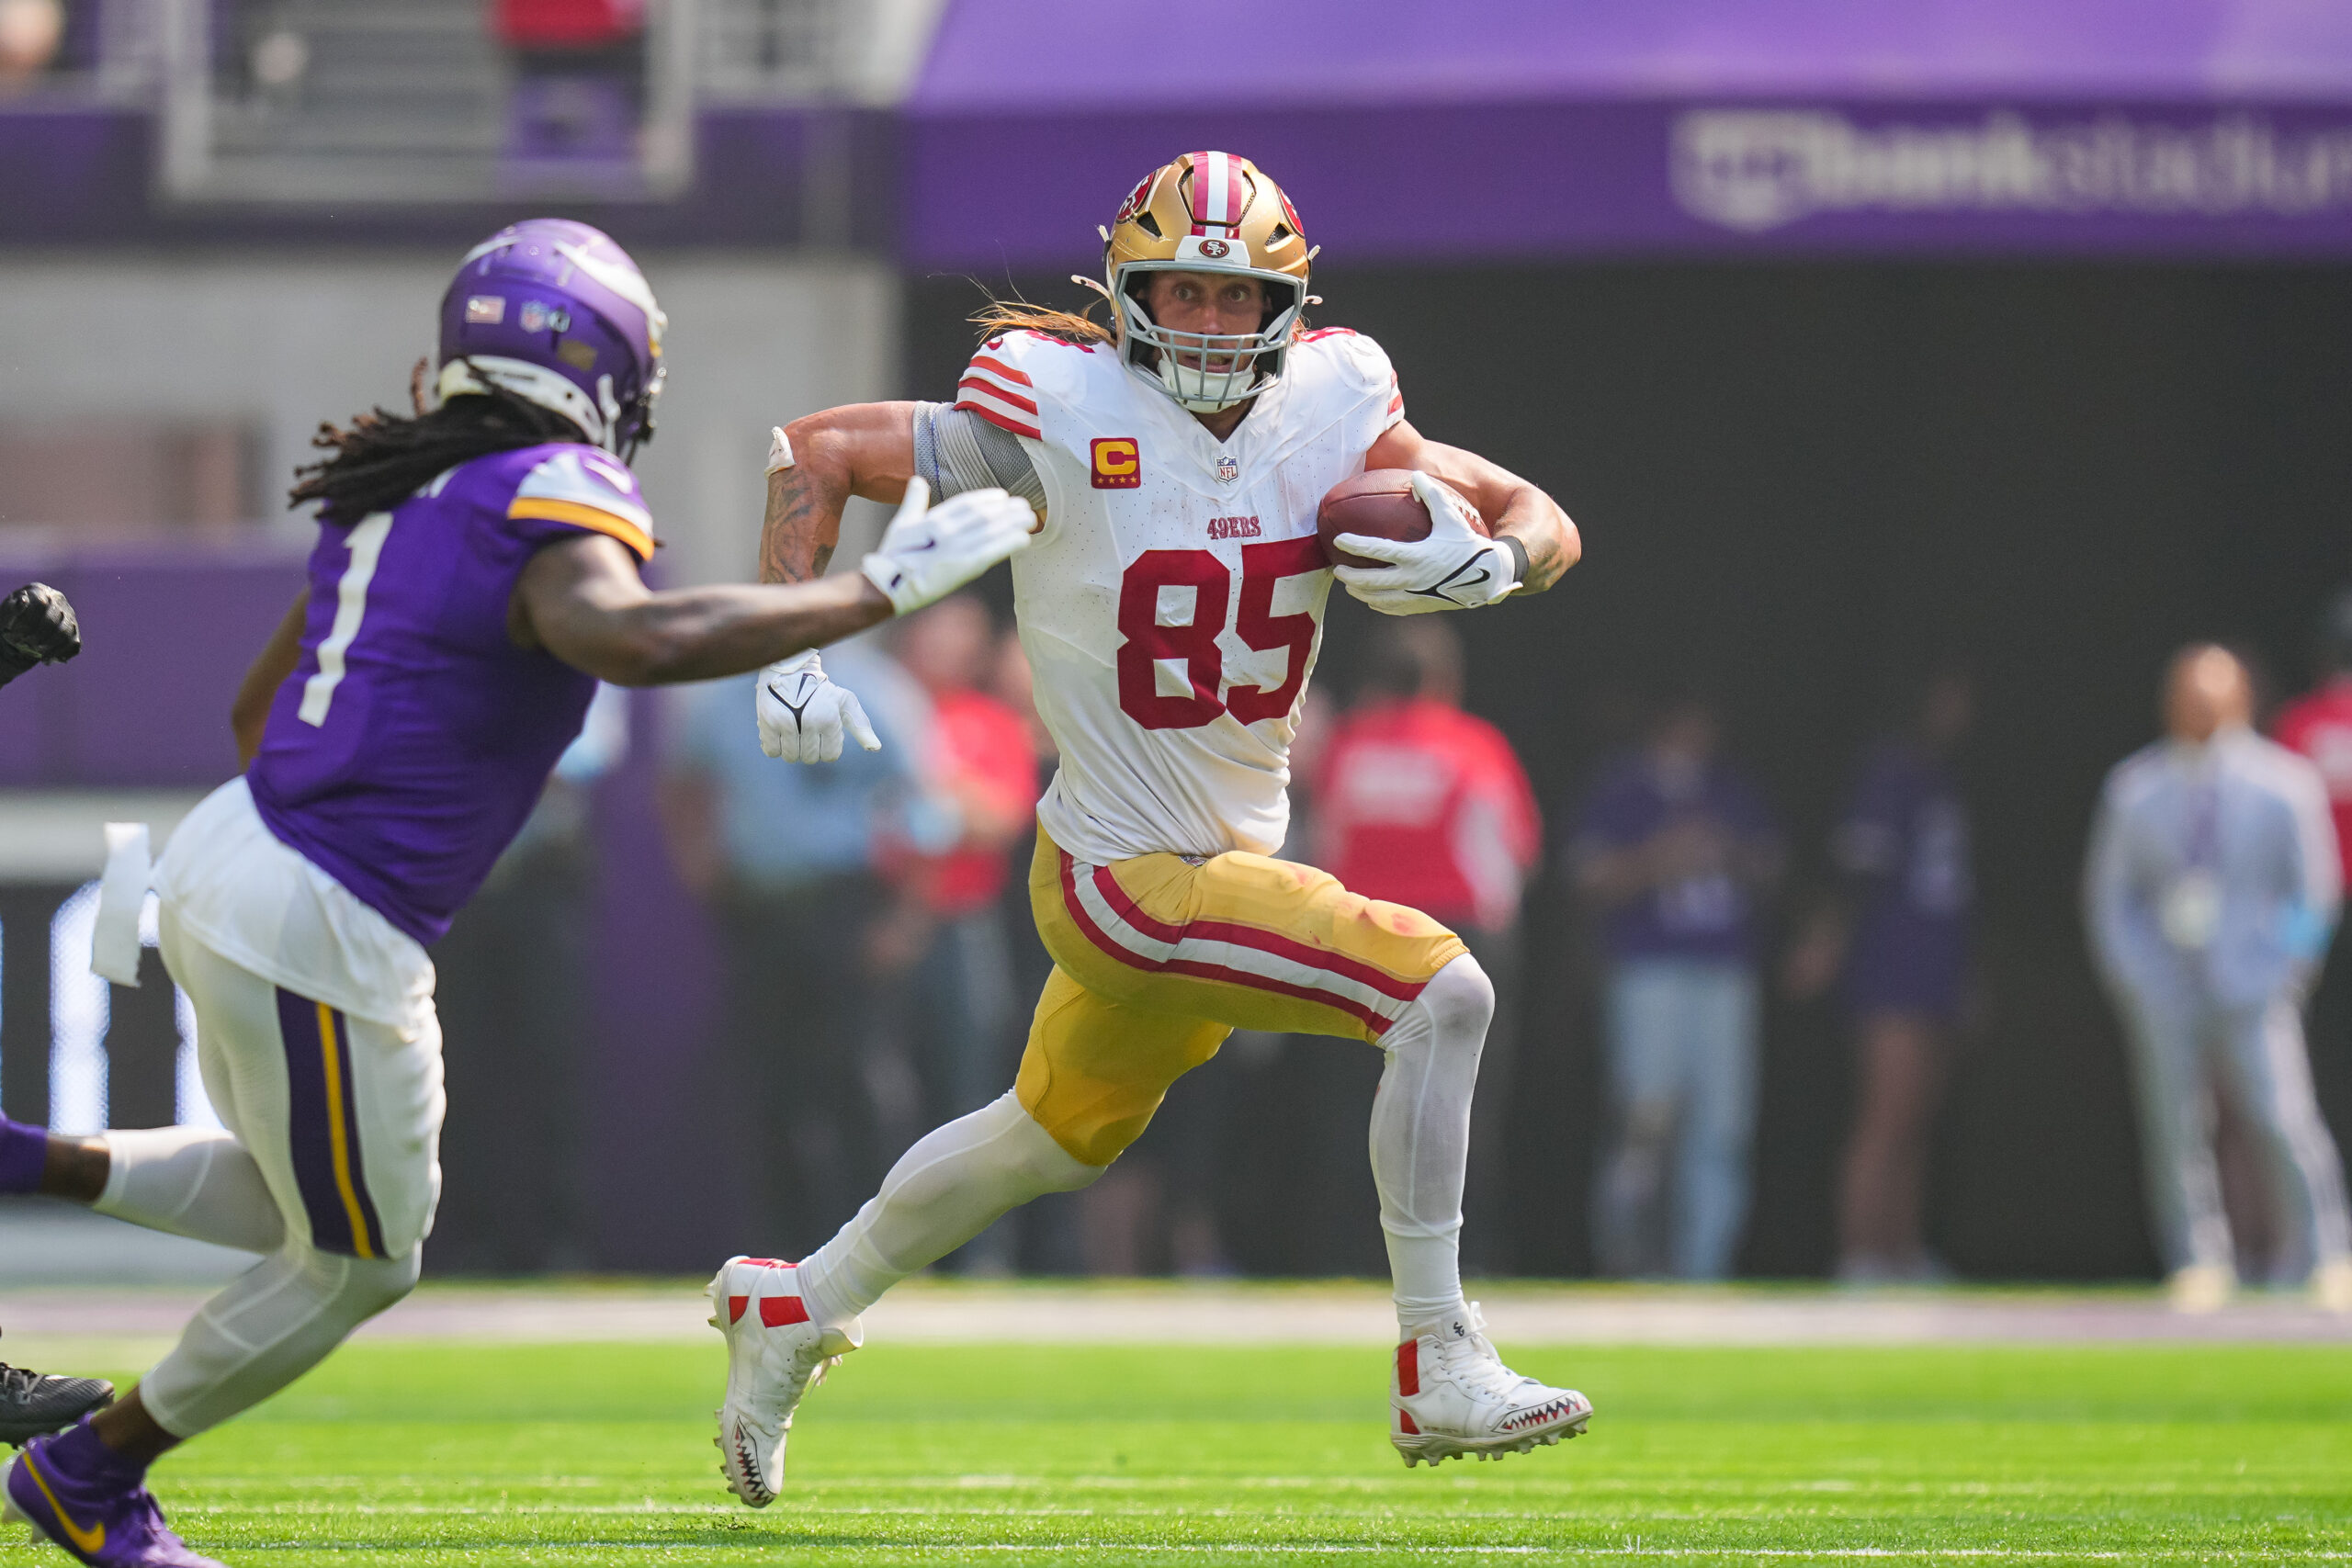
(108, 1518)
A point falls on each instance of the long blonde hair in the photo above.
(1017, 315)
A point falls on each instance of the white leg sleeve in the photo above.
(1421, 1136)
(273, 1324)
(944, 1191)
(191, 1181)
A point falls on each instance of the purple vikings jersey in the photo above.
(1904, 843)
(1707, 916)
(414, 737)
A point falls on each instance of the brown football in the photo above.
(1379, 504)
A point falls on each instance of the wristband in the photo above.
(1518, 557)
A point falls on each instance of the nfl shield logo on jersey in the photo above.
(1229, 468)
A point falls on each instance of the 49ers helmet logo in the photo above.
(1137, 197)
(1118, 463)
(1213, 249)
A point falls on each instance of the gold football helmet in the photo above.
(1207, 212)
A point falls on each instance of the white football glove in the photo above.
(803, 714)
(928, 552)
(1455, 568)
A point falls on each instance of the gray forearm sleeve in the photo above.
(957, 450)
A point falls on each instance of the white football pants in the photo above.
(329, 1166)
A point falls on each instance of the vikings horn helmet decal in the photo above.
(555, 312)
(1207, 212)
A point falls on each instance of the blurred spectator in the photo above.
(1420, 804)
(1675, 849)
(580, 75)
(2320, 723)
(512, 993)
(30, 31)
(2211, 887)
(1050, 1238)
(1899, 932)
(792, 858)
(959, 1007)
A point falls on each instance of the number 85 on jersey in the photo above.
(1174, 608)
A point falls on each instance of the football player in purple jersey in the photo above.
(476, 574)
(37, 626)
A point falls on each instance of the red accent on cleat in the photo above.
(1408, 1367)
(767, 1262)
(777, 1311)
(735, 1305)
(1405, 1421)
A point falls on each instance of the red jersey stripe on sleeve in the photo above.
(1001, 394)
(983, 363)
(979, 397)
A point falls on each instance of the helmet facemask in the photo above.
(1208, 372)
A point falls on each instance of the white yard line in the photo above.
(944, 1313)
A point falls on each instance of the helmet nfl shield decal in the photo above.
(1207, 212)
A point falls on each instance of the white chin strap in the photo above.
(1196, 385)
(477, 373)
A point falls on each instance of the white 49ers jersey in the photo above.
(1172, 606)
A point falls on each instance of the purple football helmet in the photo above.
(556, 313)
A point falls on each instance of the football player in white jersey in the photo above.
(1170, 606)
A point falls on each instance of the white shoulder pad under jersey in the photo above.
(1172, 606)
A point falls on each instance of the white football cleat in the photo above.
(773, 1356)
(1451, 1395)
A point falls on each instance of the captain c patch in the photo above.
(1118, 463)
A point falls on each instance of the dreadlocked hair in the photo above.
(382, 458)
(1017, 315)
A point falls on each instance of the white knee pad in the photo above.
(273, 1323)
(369, 1285)
(1460, 1002)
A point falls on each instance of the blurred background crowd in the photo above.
(880, 963)
(1929, 390)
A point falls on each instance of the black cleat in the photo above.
(34, 1404)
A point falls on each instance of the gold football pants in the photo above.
(1158, 958)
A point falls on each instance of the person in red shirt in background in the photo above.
(2319, 725)
(1419, 802)
(962, 1014)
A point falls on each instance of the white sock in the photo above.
(1421, 1138)
(944, 1191)
(273, 1323)
(191, 1181)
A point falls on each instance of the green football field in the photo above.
(427, 1453)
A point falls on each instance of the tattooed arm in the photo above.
(864, 449)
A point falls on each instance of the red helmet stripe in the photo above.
(1218, 194)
